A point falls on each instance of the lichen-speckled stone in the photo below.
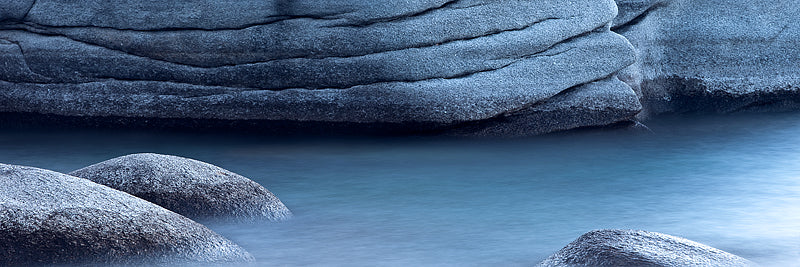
(48, 217)
(189, 187)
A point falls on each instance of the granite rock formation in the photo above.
(192, 188)
(621, 248)
(713, 56)
(443, 64)
(53, 218)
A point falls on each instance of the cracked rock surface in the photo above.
(436, 62)
(53, 218)
(189, 187)
(713, 56)
(639, 248)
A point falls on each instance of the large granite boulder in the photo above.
(713, 56)
(53, 218)
(434, 64)
(189, 187)
(619, 248)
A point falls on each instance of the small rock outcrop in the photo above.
(53, 218)
(189, 187)
(620, 248)
(430, 64)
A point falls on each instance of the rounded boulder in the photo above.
(189, 187)
(48, 217)
(639, 248)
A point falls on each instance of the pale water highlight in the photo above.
(731, 182)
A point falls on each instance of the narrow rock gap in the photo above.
(512, 112)
(35, 30)
(454, 77)
(251, 89)
(42, 30)
(500, 117)
(246, 89)
(29, 10)
(25, 59)
(277, 19)
(636, 20)
(102, 79)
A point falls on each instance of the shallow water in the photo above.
(732, 182)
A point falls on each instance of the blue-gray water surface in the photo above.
(732, 182)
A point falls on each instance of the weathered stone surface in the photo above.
(631, 11)
(591, 104)
(438, 62)
(717, 56)
(53, 218)
(639, 248)
(189, 187)
(15, 10)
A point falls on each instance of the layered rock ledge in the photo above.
(53, 218)
(443, 64)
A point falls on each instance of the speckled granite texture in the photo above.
(53, 218)
(439, 63)
(713, 56)
(621, 248)
(189, 187)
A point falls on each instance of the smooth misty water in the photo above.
(732, 182)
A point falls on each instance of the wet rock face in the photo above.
(437, 62)
(189, 187)
(639, 248)
(713, 56)
(52, 218)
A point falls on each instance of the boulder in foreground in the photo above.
(53, 218)
(639, 248)
(189, 187)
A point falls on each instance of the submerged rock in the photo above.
(53, 218)
(189, 187)
(429, 64)
(639, 248)
(713, 56)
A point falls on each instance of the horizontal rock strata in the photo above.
(434, 62)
